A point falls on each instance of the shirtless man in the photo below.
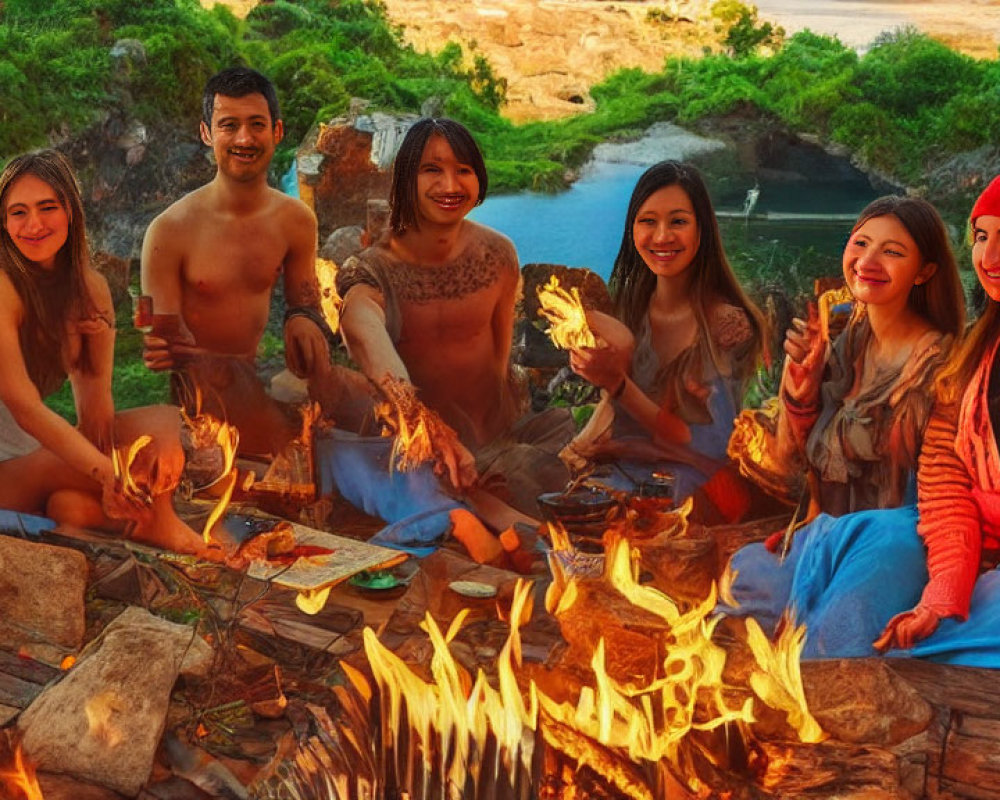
(213, 258)
(432, 303)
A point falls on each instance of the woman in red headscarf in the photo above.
(857, 573)
(958, 616)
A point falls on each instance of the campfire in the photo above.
(435, 730)
(19, 782)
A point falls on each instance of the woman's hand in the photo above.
(806, 356)
(906, 629)
(604, 366)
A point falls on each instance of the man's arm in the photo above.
(307, 352)
(362, 324)
(160, 278)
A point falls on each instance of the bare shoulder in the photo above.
(10, 300)
(97, 286)
(294, 215)
(729, 325)
(171, 228)
(491, 241)
(184, 210)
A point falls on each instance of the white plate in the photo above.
(473, 589)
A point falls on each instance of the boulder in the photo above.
(342, 244)
(41, 597)
(103, 721)
(342, 164)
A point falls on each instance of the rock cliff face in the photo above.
(551, 51)
(344, 164)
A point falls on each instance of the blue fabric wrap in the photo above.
(413, 503)
(26, 523)
(973, 643)
(844, 577)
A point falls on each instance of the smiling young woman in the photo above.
(853, 417)
(57, 321)
(676, 357)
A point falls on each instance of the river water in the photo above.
(582, 226)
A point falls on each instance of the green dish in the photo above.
(376, 580)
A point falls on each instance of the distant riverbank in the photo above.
(969, 26)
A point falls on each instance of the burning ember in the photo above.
(568, 328)
(420, 434)
(19, 781)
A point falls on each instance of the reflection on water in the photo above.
(582, 227)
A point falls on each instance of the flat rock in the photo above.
(41, 595)
(102, 722)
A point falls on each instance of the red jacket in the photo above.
(958, 485)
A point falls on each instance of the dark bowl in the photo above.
(583, 511)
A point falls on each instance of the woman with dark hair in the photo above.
(852, 415)
(685, 342)
(56, 320)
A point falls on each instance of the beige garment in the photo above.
(14, 442)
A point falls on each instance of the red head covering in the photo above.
(988, 203)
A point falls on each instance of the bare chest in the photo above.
(238, 258)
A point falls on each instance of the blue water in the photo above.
(582, 226)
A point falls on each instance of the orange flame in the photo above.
(647, 723)
(778, 681)
(122, 465)
(420, 434)
(568, 328)
(207, 431)
(329, 300)
(21, 777)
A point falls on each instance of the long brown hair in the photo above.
(632, 283)
(940, 299)
(50, 299)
